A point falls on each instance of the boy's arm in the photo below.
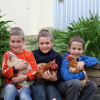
(6, 71)
(66, 73)
(90, 61)
(32, 73)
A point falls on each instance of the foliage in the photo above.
(4, 35)
(59, 42)
(89, 30)
(32, 43)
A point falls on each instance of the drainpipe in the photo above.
(26, 17)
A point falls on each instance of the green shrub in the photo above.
(32, 43)
(4, 43)
(89, 30)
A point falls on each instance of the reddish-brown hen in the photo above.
(51, 66)
(73, 68)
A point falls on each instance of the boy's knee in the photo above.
(50, 87)
(10, 90)
(73, 84)
(76, 83)
(93, 85)
(10, 87)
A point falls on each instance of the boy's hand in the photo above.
(19, 78)
(80, 65)
(39, 65)
(47, 75)
(21, 65)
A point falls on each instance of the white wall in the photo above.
(30, 15)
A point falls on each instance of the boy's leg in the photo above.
(10, 92)
(52, 92)
(70, 89)
(87, 93)
(38, 91)
(25, 94)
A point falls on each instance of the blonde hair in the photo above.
(77, 38)
(16, 31)
(45, 33)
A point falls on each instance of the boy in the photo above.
(71, 85)
(16, 40)
(43, 55)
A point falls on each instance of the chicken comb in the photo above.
(54, 61)
(53, 64)
(9, 54)
(67, 56)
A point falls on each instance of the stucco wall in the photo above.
(30, 15)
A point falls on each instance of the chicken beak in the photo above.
(9, 58)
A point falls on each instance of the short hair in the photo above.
(16, 31)
(77, 38)
(45, 33)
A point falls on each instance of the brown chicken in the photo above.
(73, 68)
(51, 66)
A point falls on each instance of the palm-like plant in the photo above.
(89, 30)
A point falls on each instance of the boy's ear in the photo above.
(68, 48)
(52, 42)
(83, 50)
(23, 41)
(9, 40)
(38, 43)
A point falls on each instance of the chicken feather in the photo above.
(73, 68)
(51, 66)
(12, 61)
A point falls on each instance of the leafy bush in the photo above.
(89, 30)
(4, 35)
(4, 43)
(59, 42)
(32, 43)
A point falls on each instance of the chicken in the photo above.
(51, 66)
(73, 68)
(12, 61)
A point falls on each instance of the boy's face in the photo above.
(76, 49)
(16, 43)
(45, 44)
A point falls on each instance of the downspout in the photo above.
(39, 15)
(26, 17)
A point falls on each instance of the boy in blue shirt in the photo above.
(71, 85)
(44, 55)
